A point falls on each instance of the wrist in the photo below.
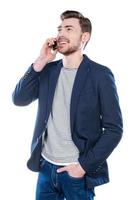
(82, 170)
(39, 64)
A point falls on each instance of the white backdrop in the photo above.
(24, 26)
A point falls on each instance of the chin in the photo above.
(67, 52)
(63, 52)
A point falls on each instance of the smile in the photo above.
(62, 42)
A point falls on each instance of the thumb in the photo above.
(54, 52)
(62, 169)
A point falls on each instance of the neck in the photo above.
(73, 60)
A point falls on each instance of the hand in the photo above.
(46, 55)
(74, 170)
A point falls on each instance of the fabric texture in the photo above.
(95, 115)
(58, 145)
(60, 186)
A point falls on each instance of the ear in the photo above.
(85, 37)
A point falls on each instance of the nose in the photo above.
(61, 33)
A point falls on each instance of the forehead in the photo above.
(71, 22)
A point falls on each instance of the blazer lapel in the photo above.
(54, 74)
(79, 83)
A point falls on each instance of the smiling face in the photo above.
(70, 37)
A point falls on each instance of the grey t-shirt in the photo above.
(58, 147)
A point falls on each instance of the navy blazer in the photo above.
(95, 115)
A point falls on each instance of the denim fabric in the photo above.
(60, 186)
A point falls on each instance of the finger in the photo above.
(54, 52)
(50, 41)
(62, 169)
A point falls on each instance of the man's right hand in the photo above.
(46, 55)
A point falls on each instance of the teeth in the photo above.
(63, 42)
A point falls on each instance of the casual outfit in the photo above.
(78, 121)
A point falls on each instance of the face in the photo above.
(69, 38)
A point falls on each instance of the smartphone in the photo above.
(54, 46)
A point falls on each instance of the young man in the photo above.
(79, 121)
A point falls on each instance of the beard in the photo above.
(69, 50)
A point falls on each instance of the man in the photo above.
(79, 121)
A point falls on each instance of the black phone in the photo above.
(54, 46)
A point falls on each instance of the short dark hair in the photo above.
(85, 23)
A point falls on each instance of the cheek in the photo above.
(75, 41)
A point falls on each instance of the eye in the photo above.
(59, 29)
(69, 29)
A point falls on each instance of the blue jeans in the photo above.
(60, 186)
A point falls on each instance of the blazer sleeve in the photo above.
(27, 89)
(112, 125)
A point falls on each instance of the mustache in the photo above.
(60, 39)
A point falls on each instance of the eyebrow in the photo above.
(67, 26)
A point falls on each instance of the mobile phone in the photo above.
(54, 46)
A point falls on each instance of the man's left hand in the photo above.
(74, 170)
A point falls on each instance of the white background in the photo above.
(24, 26)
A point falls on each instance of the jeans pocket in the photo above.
(74, 178)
